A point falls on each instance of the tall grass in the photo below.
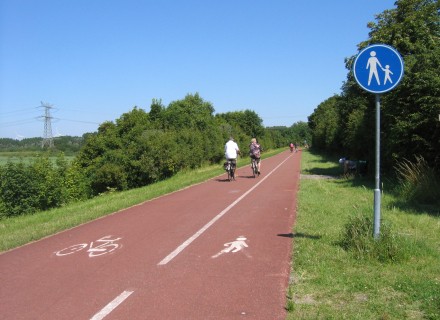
(357, 238)
(419, 183)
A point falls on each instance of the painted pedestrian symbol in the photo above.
(234, 246)
(378, 68)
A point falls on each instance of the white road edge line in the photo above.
(112, 305)
(185, 244)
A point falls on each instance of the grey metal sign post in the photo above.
(378, 69)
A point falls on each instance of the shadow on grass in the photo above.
(335, 172)
(299, 235)
(318, 170)
(416, 208)
(357, 182)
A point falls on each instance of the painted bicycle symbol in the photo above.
(97, 248)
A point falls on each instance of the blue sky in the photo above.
(93, 60)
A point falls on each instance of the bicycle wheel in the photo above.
(100, 250)
(228, 170)
(71, 249)
(253, 168)
(257, 172)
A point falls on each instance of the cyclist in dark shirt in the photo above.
(255, 150)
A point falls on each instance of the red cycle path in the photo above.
(200, 282)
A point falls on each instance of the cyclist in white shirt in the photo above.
(231, 151)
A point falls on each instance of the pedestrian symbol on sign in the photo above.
(372, 65)
(378, 68)
(387, 74)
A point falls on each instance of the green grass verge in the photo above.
(328, 282)
(17, 231)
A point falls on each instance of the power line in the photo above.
(17, 122)
(31, 120)
(18, 111)
(90, 122)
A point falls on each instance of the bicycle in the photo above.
(254, 166)
(230, 169)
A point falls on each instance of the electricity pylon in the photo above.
(48, 137)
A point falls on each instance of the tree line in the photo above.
(344, 124)
(410, 126)
(137, 149)
(67, 144)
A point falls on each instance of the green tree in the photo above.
(325, 125)
(76, 185)
(252, 124)
(156, 111)
(410, 112)
(248, 122)
(300, 132)
(191, 112)
(17, 190)
(276, 137)
(26, 188)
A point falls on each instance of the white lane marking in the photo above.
(185, 244)
(112, 305)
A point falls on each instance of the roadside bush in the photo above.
(109, 176)
(28, 188)
(357, 237)
(17, 190)
(47, 182)
(40, 185)
(419, 183)
(76, 186)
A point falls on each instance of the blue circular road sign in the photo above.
(378, 68)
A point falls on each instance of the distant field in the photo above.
(25, 156)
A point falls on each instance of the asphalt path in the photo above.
(216, 250)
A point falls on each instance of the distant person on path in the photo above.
(291, 147)
(306, 145)
(372, 64)
(231, 151)
(255, 152)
